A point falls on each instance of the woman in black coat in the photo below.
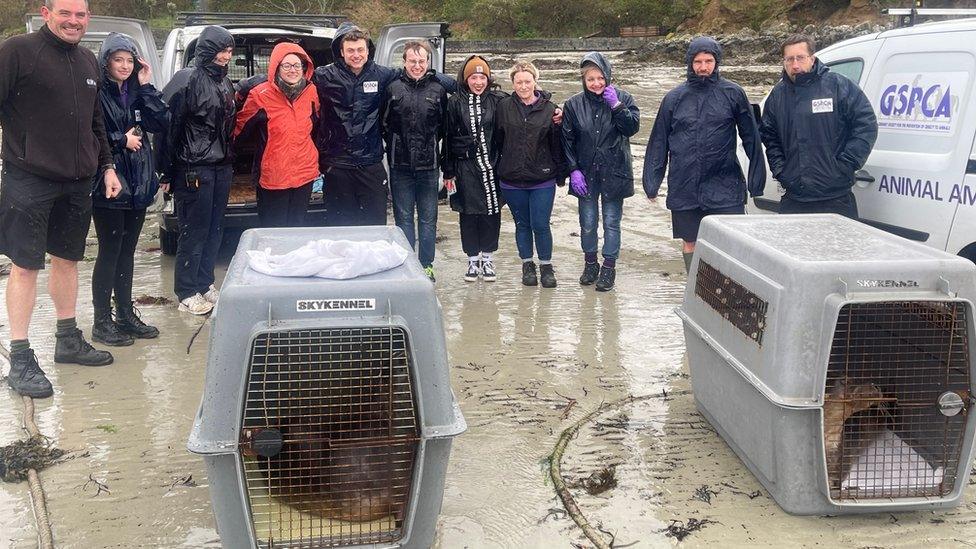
(469, 171)
(597, 127)
(131, 107)
(530, 165)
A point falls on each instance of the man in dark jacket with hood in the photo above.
(53, 144)
(351, 93)
(196, 164)
(818, 128)
(695, 132)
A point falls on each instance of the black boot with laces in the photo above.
(547, 275)
(604, 283)
(105, 331)
(590, 273)
(528, 274)
(72, 348)
(26, 377)
(128, 322)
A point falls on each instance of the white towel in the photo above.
(339, 259)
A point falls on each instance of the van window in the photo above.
(850, 68)
(923, 96)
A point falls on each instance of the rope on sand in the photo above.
(45, 537)
(593, 534)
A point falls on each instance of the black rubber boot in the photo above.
(528, 274)
(73, 349)
(607, 276)
(128, 322)
(105, 331)
(547, 275)
(590, 272)
(26, 377)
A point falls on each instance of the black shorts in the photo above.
(38, 215)
(685, 223)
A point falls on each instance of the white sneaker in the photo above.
(212, 294)
(487, 270)
(196, 304)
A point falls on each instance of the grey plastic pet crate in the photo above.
(330, 424)
(835, 360)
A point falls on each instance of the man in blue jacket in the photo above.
(695, 131)
(818, 128)
(352, 90)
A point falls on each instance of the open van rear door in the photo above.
(392, 38)
(100, 26)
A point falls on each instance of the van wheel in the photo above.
(969, 252)
(167, 241)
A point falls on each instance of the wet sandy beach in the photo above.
(526, 364)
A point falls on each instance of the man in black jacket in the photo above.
(694, 132)
(54, 143)
(351, 93)
(196, 163)
(413, 124)
(818, 128)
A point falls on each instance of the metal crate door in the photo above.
(896, 399)
(330, 435)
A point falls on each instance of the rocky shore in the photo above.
(749, 47)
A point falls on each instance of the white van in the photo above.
(920, 180)
(255, 35)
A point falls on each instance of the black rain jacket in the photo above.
(529, 144)
(414, 121)
(136, 169)
(469, 154)
(817, 131)
(201, 107)
(349, 128)
(695, 133)
(596, 138)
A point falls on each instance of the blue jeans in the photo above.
(416, 189)
(531, 209)
(589, 210)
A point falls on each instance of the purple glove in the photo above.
(610, 96)
(578, 183)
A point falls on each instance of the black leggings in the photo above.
(118, 235)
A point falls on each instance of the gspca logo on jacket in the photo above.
(920, 102)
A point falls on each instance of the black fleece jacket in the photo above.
(49, 109)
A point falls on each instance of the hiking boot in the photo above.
(105, 331)
(487, 270)
(590, 273)
(73, 349)
(196, 304)
(128, 322)
(474, 270)
(604, 282)
(429, 271)
(528, 274)
(547, 275)
(212, 295)
(26, 377)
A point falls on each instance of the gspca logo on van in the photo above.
(920, 102)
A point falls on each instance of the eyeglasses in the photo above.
(419, 63)
(799, 58)
(291, 66)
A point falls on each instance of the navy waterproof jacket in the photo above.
(695, 133)
(350, 132)
(136, 169)
(817, 131)
(596, 138)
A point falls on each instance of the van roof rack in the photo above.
(907, 16)
(188, 18)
